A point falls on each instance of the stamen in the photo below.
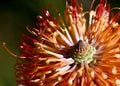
(11, 53)
(117, 82)
(36, 80)
(59, 78)
(104, 76)
(92, 4)
(66, 2)
(92, 74)
(87, 12)
(114, 70)
(115, 8)
(117, 56)
(32, 32)
(115, 25)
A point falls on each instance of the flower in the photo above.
(74, 52)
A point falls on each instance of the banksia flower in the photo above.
(74, 52)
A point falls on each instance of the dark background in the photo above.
(14, 16)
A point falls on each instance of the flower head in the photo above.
(80, 52)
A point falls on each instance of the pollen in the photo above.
(117, 56)
(117, 82)
(114, 70)
(104, 76)
(70, 81)
(93, 74)
(59, 78)
(115, 25)
(36, 80)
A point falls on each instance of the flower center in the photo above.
(83, 52)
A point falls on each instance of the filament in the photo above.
(10, 52)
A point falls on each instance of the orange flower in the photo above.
(79, 52)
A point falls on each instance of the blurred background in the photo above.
(14, 16)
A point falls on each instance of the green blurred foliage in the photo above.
(14, 16)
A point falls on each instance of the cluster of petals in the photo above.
(45, 58)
